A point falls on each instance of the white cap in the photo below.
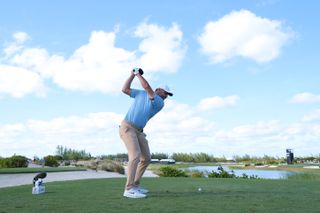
(166, 89)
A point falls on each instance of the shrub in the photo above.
(159, 156)
(197, 174)
(4, 162)
(245, 176)
(112, 166)
(224, 174)
(169, 171)
(221, 174)
(15, 161)
(51, 161)
(19, 161)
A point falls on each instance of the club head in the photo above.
(41, 175)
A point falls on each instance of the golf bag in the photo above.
(38, 185)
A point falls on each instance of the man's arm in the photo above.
(146, 86)
(127, 85)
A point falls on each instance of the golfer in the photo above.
(146, 104)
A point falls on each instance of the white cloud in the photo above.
(242, 33)
(97, 133)
(270, 138)
(10, 130)
(177, 128)
(162, 48)
(250, 131)
(37, 60)
(10, 139)
(217, 102)
(98, 66)
(17, 44)
(74, 124)
(21, 37)
(18, 82)
(312, 116)
(305, 98)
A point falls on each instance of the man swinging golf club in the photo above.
(146, 104)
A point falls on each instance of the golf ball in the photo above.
(199, 189)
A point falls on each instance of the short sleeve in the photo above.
(133, 93)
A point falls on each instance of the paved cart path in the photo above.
(7, 180)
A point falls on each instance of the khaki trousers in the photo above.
(138, 153)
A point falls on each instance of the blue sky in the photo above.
(245, 75)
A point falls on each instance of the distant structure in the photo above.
(290, 157)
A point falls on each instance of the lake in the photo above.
(265, 174)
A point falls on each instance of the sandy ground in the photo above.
(7, 180)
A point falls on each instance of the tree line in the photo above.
(65, 155)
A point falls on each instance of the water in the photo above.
(265, 174)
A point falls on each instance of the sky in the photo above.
(245, 75)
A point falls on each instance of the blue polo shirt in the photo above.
(142, 109)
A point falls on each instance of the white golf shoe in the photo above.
(133, 193)
(141, 190)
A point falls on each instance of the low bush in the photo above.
(245, 176)
(169, 171)
(16, 161)
(111, 166)
(51, 161)
(224, 174)
(221, 174)
(196, 174)
(159, 156)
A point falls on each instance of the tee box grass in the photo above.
(166, 195)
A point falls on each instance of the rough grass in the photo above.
(167, 195)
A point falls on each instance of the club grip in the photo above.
(136, 70)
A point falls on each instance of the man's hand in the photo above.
(137, 71)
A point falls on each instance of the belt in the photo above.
(138, 129)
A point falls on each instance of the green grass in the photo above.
(305, 176)
(167, 195)
(35, 170)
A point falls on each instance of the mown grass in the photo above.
(44, 169)
(166, 195)
(305, 176)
